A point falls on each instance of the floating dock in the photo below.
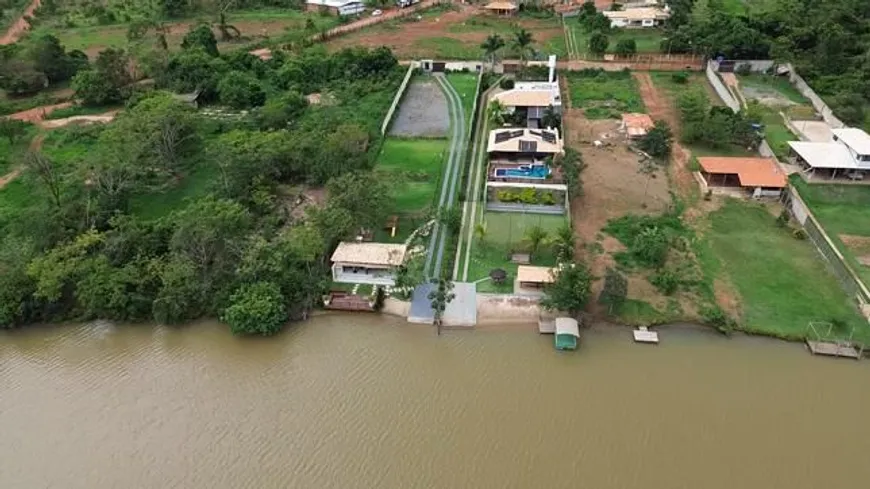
(644, 335)
(547, 326)
(833, 349)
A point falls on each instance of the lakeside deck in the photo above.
(833, 349)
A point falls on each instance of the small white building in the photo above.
(847, 155)
(367, 263)
(638, 17)
(337, 7)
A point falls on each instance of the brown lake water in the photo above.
(373, 402)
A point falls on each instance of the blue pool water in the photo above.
(525, 171)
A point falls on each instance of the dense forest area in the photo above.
(827, 40)
(171, 213)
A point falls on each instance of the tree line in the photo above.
(96, 239)
(827, 40)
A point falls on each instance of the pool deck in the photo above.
(555, 175)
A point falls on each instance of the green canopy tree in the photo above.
(257, 308)
(241, 90)
(657, 142)
(202, 37)
(570, 290)
(536, 235)
(626, 47)
(598, 43)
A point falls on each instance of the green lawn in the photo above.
(465, 85)
(273, 22)
(841, 209)
(414, 167)
(782, 281)
(506, 232)
(777, 84)
(776, 132)
(604, 94)
(646, 40)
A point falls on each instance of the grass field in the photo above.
(646, 40)
(271, 23)
(604, 94)
(465, 85)
(777, 84)
(414, 167)
(842, 210)
(506, 232)
(782, 282)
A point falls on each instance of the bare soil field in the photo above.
(455, 34)
(860, 246)
(613, 186)
(423, 111)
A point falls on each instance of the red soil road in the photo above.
(37, 114)
(660, 108)
(20, 26)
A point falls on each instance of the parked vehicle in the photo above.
(376, 13)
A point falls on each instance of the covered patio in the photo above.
(531, 280)
(759, 177)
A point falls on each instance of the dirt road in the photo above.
(661, 108)
(20, 26)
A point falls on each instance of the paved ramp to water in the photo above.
(366, 401)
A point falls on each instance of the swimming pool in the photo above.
(524, 171)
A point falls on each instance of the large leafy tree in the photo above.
(50, 57)
(657, 141)
(201, 37)
(256, 308)
(107, 81)
(570, 290)
(241, 90)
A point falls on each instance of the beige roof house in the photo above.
(503, 8)
(524, 141)
(530, 94)
(371, 254)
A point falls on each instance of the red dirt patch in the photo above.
(660, 107)
(404, 37)
(37, 114)
(16, 30)
(860, 246)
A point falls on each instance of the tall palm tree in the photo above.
(491, 46)
(496, 113)
(523, 43)
(563, 243)
(536, 235)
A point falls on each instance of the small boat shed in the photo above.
(567, 333)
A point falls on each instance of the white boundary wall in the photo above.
(721, 89)
(819, 104)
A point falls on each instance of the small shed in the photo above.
(531, 277)
(502, 8)
(636, 125)
(567, 333)
(759, 177)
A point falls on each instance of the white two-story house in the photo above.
(847, 155)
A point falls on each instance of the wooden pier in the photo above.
(644, 335)
(833, 349)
